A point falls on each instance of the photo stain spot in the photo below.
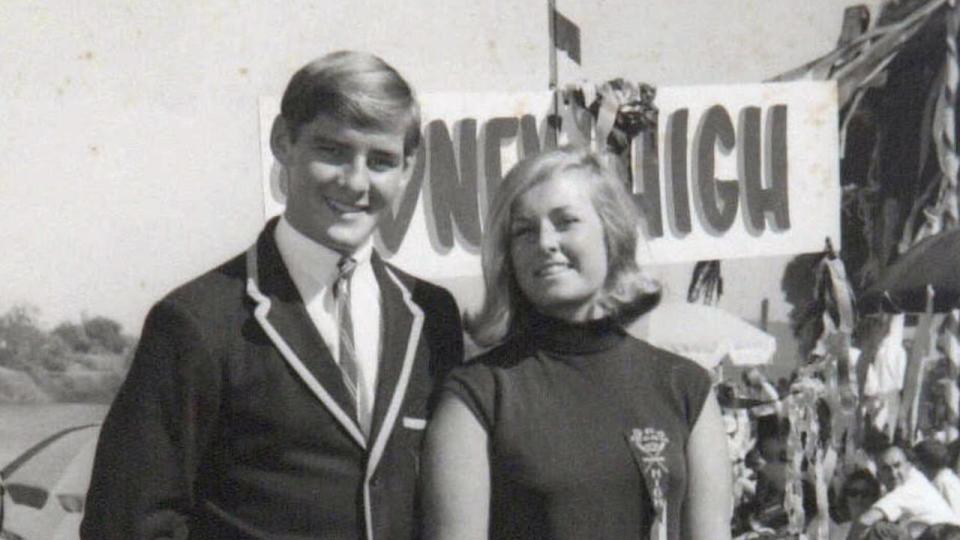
(86, 56)
(243, 71)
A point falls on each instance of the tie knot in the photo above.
(346, 267)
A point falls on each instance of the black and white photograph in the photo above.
(448, 269)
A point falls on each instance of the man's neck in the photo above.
(301, 240)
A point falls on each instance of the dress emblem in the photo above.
(651, 443)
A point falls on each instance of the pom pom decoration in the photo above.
(621, 110)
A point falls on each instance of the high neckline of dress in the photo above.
(558, 335)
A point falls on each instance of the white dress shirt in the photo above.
(948, 484)
(313, 268)
(916, 500)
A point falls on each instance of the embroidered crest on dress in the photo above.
(651, 443)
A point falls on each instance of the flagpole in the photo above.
(552, 24)
(552, 47)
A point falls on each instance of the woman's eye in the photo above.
(567, 222)
(520, 232)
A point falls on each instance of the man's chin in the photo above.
(347, 240)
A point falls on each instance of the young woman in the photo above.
(569, 427)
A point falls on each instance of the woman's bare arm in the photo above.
(708, 505)
(456, 474)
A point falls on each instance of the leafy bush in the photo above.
(19, 387)
(83, 362)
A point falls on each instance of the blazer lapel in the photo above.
(282, 315)
(401, 325)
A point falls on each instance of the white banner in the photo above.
(739, 171)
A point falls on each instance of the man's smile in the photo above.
(343, 207)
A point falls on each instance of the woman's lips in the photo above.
(551, 269)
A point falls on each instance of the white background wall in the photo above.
(129, 156)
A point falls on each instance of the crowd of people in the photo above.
(885, 472)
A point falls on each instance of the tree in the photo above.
(105, 334)
(20, 337)
(74, 336)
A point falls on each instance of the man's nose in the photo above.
(356, 177)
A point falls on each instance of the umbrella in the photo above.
(47, 484)
(705, 334)
(934, 261)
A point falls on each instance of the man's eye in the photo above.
(383, 163)
(328, 150)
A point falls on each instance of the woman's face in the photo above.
(557, 247)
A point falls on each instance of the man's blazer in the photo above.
(234, 421)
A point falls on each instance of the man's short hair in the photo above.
(905, 451)
(357, 89)
(931, 455)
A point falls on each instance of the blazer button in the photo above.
(375, 482)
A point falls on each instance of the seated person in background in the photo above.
(933, 460)
(910, 498)
(739, 442)
(884, 530)
(772, 474)
(767, 414)
(943, 531)
(860, 490)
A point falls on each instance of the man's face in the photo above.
(893, 468)
(340, 179)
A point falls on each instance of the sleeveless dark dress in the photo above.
(587, 427)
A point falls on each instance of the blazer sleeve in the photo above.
(145, 470)
(446, 338)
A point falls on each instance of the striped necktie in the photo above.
(347, 350)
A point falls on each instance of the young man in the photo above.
(284, 394)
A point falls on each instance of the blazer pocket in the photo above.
(411, 422)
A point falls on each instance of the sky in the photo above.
(130, 131)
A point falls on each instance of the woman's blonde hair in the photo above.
(627, 292)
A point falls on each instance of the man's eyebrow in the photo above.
(324, 137)
(385, 152)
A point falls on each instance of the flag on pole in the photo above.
(566, 35)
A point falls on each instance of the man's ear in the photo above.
(281, 140)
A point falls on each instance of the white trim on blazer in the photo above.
(399, 392)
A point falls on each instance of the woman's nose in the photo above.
(547, 239)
